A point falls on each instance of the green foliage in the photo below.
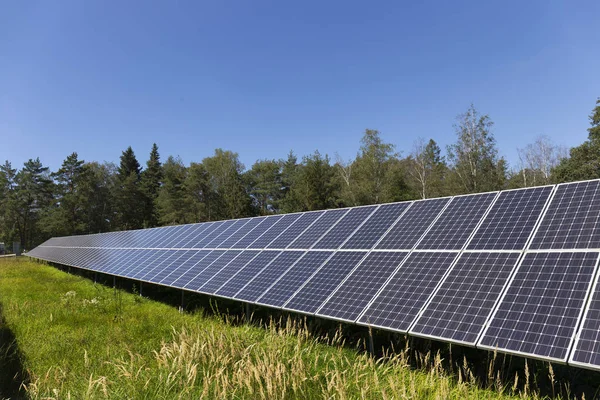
(33, 193)
(91, 197)
(474, 157)
(314, 185)
(66, 216)
(151, 180)
(9, 208)
(265, 186)
(427, 169)
(172, 202)
(129, 196)
(226, 185)
(584, 160)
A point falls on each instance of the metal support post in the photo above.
(140, 288)
(247, 313)
(114, 281)
(371, 344)
(182, 302)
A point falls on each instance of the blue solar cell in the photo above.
(511, 219)
(359, 288)
(218, 228)
(212, 269)
(316, 290)
(401, 299)
(378, 224)
(243, 231)
(239, 280)
(277, 229)
(259, 280)
(456, 222)
(345, 227)
(293, 232)
(185, 268)
(184, 279)
(413, 223)
(464, 301)
(159, 274)
(294, 278)
(255, 233)
(235, 265)
(318, 229)
(540, 311)
(572, 220)
(225, 234)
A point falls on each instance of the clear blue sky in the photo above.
(261, 78)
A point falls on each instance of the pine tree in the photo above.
(172, 200)
(33, 194)
(129, 198)
(67, 214)
(151, 180)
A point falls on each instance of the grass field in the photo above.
(65, 337)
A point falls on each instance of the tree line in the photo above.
(90, 197)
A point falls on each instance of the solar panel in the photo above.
(162, 256)
(197, 268)
(123, 259)
(232, 226)
(300, 225)
(200, 231)
(155, 268)
(456, 222)
(159, 240)
(291, 281)
(460, 307)
(318, 229)
(237, 282)
(541, 308)
(359, 288)
(586, 350)
(159, 274)
(177, 235)
(277, 229)
(472, 269)
(237, 264)
(401, 299)
(218, 228)
(200, 279)
(371, 231)
(259, 281)
(511, 219)
(192, 233)
(411, 226)
(344, 228)
(572, 220)
(186, 268)
(255, 233)
(316, 290)
(143, 241)
(240, 233)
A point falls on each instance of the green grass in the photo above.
(76, 339)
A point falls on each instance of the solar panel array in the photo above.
(515, 271)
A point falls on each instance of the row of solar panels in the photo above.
(451, 269)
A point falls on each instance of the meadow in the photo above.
(62, 336)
